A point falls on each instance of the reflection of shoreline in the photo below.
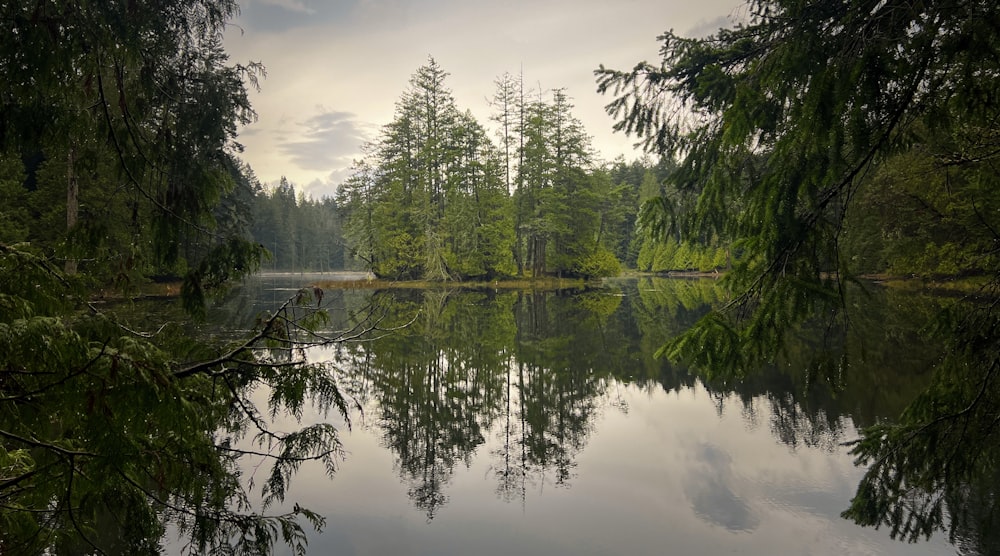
(518, 381)
(643, 484)
(547, 284)
(516, 385)
(333, 276)
(476, 363)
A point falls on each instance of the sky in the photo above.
(336, 68)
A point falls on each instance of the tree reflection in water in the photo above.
(535, 370)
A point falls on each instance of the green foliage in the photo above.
(659, 245)
(598, 264)
(669, 255)
(909, 214)
(432, 202)
(562, 204)
(814, 155)
(402, 259)
(109, 435)
(137, 116)
(464, 208)
(637, 182)
(224, 264)
(118, 163)
(301, 234)
(14, 216)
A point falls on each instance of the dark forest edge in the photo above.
(118, 164)
(813, 156)
(818, 157)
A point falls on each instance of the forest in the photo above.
(439, 197)
(784, 153)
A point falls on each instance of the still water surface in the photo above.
(503, 423)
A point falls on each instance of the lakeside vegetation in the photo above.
(783, 152)
(818, 156)
(542, 284)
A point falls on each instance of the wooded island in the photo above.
(803, 147)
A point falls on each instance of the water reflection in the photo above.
(465, 369)
(514, 389)
(709, 487)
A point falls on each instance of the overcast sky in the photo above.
(335, 68)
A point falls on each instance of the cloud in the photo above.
(277, 16)
(290, 5)
(327, 187)
(357, 55)
(326, 141)
(709, 487)
(706, 27)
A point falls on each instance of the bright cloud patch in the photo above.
(327, 140)
(290, 5)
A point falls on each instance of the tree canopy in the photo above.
(118, 162)
(301, 233)
(432, 201)
(792, 130)
(437, 199)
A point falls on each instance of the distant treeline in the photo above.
(301, 233)
(439, 197)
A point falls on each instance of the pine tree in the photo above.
(505, 103)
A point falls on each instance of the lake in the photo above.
(514, 422)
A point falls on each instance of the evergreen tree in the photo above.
(779, 122)
(558, 200)
(300, 233)
(433, 201)
(131, 118)
(434, 204)
(356, 198)
(117, 128)
(506, 102)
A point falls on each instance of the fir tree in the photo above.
(779, 124)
